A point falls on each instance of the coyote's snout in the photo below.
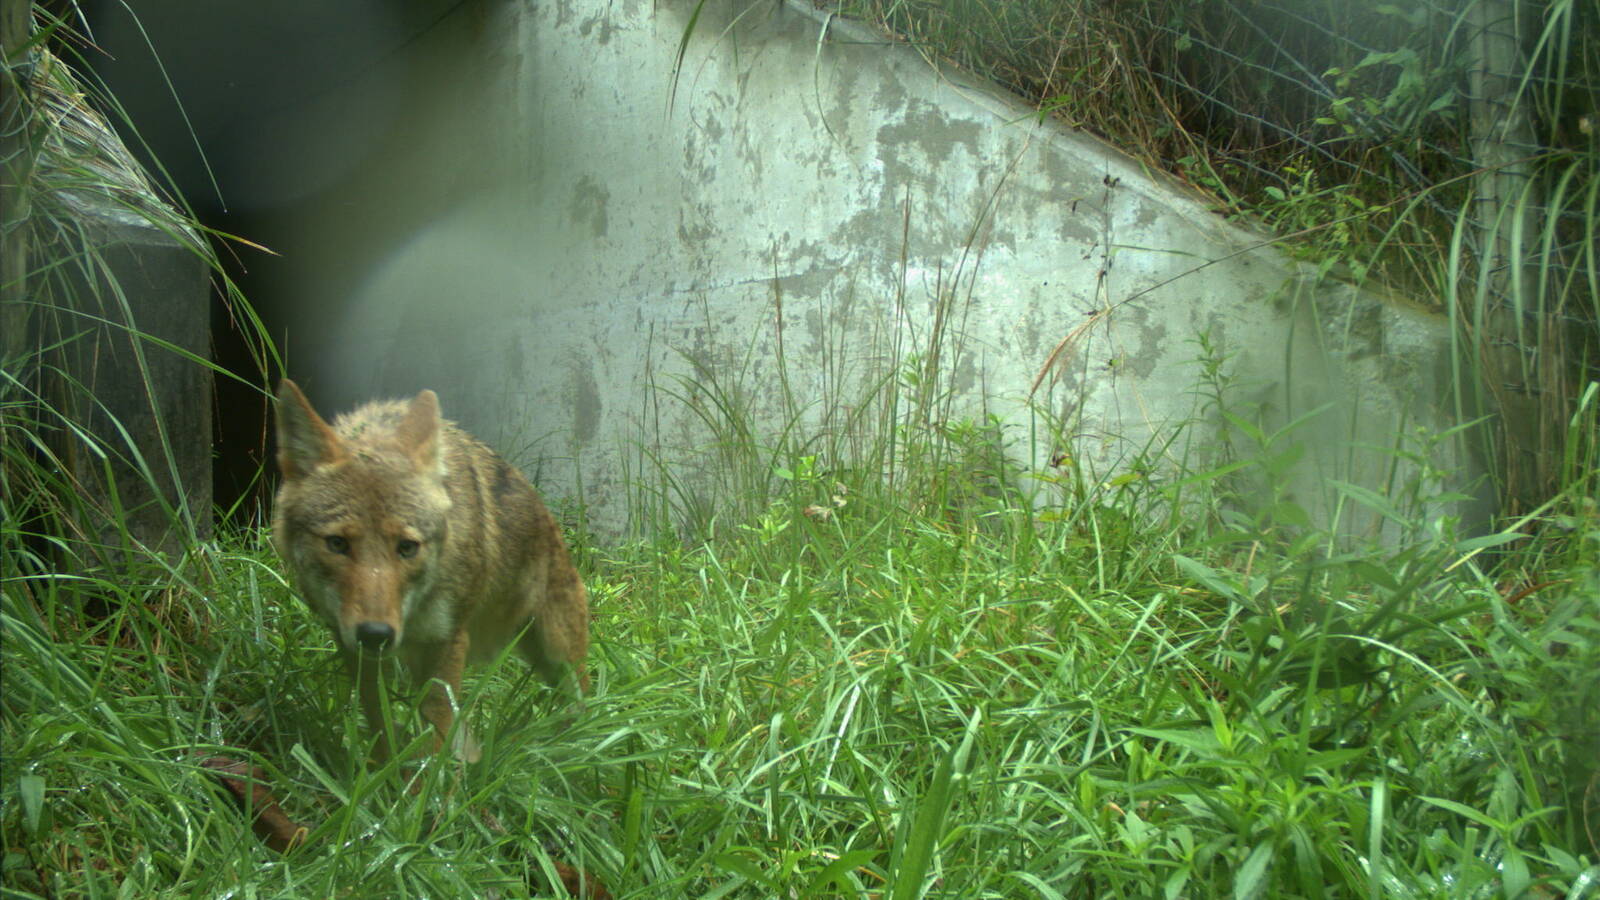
(407, 536)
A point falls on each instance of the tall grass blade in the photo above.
(922, 823)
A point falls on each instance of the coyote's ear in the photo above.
(419, 433)
(304, 440)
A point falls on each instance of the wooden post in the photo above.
(16, 165)
(1507, 312)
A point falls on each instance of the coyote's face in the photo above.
(362, 516)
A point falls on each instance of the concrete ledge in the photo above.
(126, 297)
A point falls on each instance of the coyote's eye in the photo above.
(337, 544)
(407, 549)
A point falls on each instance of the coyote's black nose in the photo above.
(374, 637)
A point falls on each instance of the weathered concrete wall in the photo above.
(150, 406)
(116, 338)
(551, 227)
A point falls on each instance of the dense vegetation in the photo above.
(957, 696)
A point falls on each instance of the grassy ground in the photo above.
(927, 692)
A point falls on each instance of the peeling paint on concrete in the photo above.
(588, 207)
(587, 405)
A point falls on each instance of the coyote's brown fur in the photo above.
(406, 535)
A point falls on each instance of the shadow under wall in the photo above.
(208, 88)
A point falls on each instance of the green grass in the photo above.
(896, 701)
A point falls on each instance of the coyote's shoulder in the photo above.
(405, 534)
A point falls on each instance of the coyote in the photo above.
(407, 536)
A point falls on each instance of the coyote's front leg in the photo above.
(440, 667)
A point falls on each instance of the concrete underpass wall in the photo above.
(550, 223)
